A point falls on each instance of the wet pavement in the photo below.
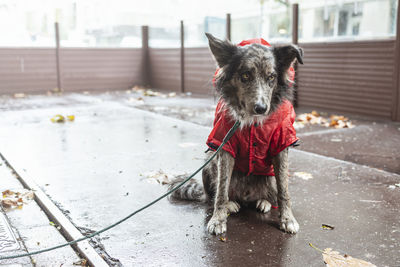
(31, 230)
(96, 170)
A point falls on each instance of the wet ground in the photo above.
(97, 169)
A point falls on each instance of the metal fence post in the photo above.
(396, 84)
(228, 27)
(146, 80)
(182, 57)
(295, 40)
(58, 68)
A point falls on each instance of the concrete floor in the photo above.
(95, 169)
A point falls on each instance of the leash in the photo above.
(224, 141)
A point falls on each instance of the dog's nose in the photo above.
(260, 109)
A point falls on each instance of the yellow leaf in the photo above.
(222, 238)
(327, 227)
(315, 113)
(58, 118)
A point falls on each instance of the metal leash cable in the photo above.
(224, 141)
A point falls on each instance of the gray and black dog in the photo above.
(253, 82)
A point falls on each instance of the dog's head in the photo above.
(253, 79)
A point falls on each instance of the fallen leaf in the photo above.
(137, 88)
(303, 175)
(327, 227)
(7, 193)
(333, 123)
(334, 259)
(138, 100)
(8, 203)
(19, 95)
(314, 117)
(81, 262)
(71, 117)
(160, 176)
(15, 200)
(315, 113)
(150, 93)
(58, 118)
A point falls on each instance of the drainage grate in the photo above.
(7, 238)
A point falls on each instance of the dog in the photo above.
(255, 89)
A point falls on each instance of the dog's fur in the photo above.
(249, 76)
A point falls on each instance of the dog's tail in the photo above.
(192, 190)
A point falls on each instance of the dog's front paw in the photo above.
(289, 224)
(216, 225)
(263, 205)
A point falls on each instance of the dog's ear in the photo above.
(285, 55)
(222, 50)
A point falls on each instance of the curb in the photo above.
(68, 230)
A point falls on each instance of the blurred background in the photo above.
(102, 23)
(351, 47)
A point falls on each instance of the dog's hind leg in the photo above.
(287, 221)
(217, 223)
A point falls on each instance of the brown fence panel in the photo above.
(100, 68)
(349, 77)
(165, 68)
(199, 70)
(28, 70)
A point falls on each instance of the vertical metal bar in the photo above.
(295, 24)
(146, 78)
(182, 57)
(295, 40)
(396, 77)
(228, 27)
(58, 68)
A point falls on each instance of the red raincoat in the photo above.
(253, 147)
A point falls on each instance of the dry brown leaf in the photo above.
(333, 123)
(7, 193)
(315, 113)
(81, 262)
(314, 117)
(8, 203)
(334, 259)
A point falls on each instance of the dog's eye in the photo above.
(245, 77)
